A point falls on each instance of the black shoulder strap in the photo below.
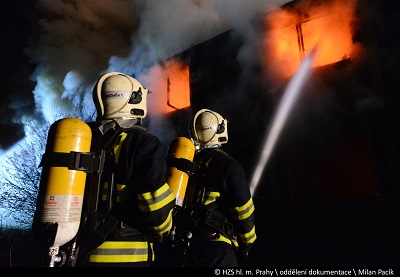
(209, 214)
(182, 164)
(97, 220)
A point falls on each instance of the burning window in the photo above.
(170, 84)
(293, 31)
(178, 90)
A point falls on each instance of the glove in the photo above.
(242, 254)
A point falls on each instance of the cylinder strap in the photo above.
(83, 161)
(182, 164)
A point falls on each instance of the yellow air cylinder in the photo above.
(180, 147)
(63, 188)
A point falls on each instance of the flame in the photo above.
(178, 92)
(291, 33)
(169, 83)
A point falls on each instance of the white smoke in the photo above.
(73, 42)
(76, 41)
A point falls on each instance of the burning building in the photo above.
(327, 193)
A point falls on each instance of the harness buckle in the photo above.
(227, 226)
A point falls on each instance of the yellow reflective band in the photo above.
(117, 147)
(243, 212)
(211, 196)
(165, 226)
(151, 195)
(120, 252)
(120, 187)
(152, 201)
(104, 194)
(123, 245)
(249, 237)
(225, 239)
(118, 258)
(124, 192)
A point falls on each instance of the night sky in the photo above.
(15, 70)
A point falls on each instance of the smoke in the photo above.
(71, 43)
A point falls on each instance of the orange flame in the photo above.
(178, 92)
(169, 84)
(292, 33)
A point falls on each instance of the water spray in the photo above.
(286, 104)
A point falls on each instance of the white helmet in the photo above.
(117, 95)
(209, 129)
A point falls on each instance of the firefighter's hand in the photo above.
(242, 254)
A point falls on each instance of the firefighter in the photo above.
(143, 201)
(217, 224)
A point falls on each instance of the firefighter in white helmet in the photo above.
(220, 226)
(143, 202)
